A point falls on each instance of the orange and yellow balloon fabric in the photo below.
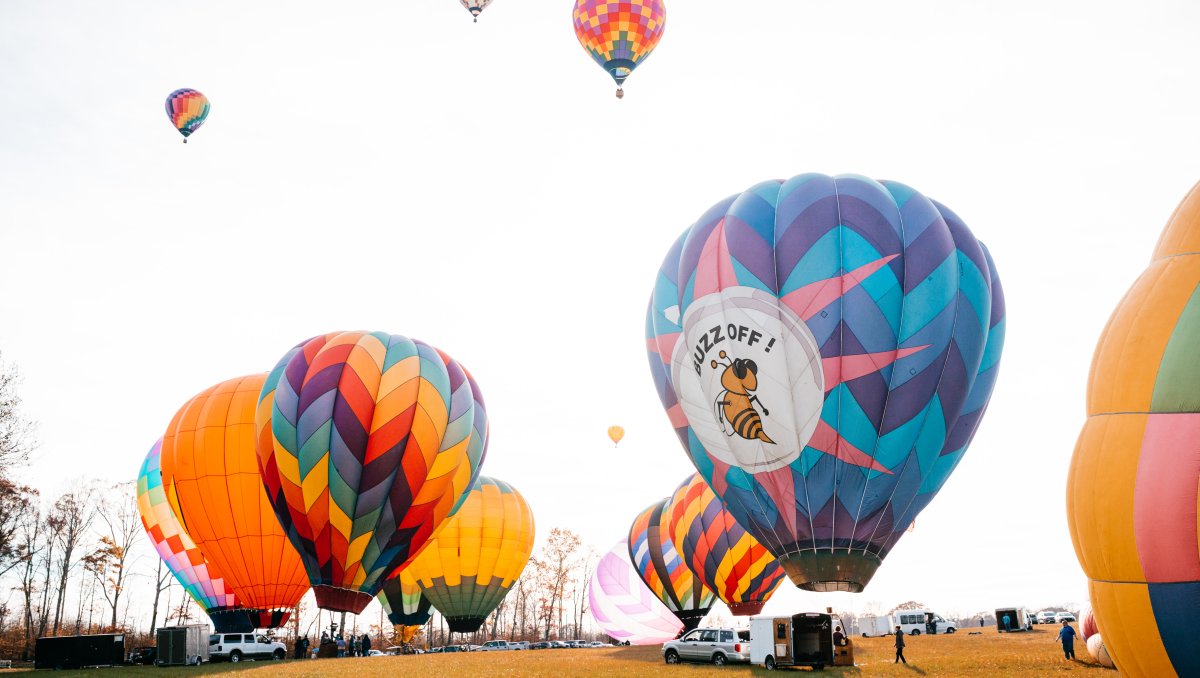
(724, 557)
(208, 460)
(1133, 494)
(615, 434)
(467, 569)
(367, 443)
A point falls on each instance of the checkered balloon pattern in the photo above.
(369, 445)
(198, 577)
(825, 348)
(187, 110)
(619, 35)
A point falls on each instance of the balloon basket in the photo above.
(826, 571)
(337, 599)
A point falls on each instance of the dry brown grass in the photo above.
(988, 654)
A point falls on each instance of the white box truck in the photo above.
(804, 639)
(1018, 619)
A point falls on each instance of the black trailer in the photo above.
(78, 652)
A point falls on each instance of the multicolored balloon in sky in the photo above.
(475, 7)
(215, 490)
(623, 607)
(1132, 493)
(368, 445)
(660, 564)
(198, 577)
(724, 557)
(825, 348)
(619, 35)
(467, 569)
(187, 110)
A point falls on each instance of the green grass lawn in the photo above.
(988, 654)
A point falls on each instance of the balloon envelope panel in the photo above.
(663, 567)
(208, 461)
(373, 439)
(723, 556)
(472, 562)
(402, 601)
(825, 348)
(623, 607)
(198, 577)
(1132, 493)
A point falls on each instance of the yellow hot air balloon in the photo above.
(468, 567)
(615, 434)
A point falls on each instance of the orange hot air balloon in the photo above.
(615, 434)
(208, 457)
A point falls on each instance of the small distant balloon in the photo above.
(475, 7)
(615, 434)
(187, 110)
(619, 35)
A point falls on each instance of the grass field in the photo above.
(987, 654)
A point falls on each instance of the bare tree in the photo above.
(162, 582)
(16, 432)
(29, 543)
(17, 502)
(579, 595)
(76, 511)
(556, 565)
(122, 527)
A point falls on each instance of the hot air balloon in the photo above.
(198, 577)
(619, 35)
(615, 434)
(370, 443)
(1132, 492)
(1087, 623)
(660, 564)
(623, 607)
(467, 569)
(825, 348)
(1096, 648)
(475, 7)
(187, 110)
(217, 495)
(723, 556)
(402, 600)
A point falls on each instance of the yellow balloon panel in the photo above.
(1131, 634)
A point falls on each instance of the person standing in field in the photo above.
(1007, 622)
(900, 646)
(1066, 636)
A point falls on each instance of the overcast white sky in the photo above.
(391, 166)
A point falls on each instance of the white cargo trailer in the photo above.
(183, 645)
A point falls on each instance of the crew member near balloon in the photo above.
(899, 634)
(1066, 636)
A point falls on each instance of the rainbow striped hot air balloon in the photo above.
(724, 557)
(198, 577)
(187, 110)
(1134, 484)
(663, 568)
(825, 348)
(370, 444)
(619, 35)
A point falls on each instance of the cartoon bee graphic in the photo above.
(735, 405)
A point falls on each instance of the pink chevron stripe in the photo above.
(1165, 498)
(827, 440)
(663, 345)
(810, 299)
(677, 417)
(844, 368)
(781, 486)
(714, 271)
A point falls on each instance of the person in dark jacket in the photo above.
(1066, 635)
(900, 646)
(365, 644)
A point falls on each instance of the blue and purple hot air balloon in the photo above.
(825, 348)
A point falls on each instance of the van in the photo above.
(916, 622)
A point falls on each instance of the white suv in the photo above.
(238, 646)
(717, 646)
(499, 645)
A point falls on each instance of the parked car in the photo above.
(499, 646)
(376, 653)
(238, 646)
(1064, 616)
(717, 646)
(143, 655)
(1047, 617)
(558, 644)
(596, 643)
(541, 645)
